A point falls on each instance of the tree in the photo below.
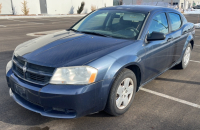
(25, 8)
(0, 7)
(93, 8)
(80, 9)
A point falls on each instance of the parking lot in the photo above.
(172, 101)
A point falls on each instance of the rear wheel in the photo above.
(186, 58)
(122, 93)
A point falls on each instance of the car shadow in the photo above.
(179, 81)
(100, 114)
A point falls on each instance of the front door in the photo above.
(43, 6)
(157, 52)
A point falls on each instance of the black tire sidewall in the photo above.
(112, 98)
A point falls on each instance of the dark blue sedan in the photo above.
(100, 62)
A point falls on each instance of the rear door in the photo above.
(178, 36)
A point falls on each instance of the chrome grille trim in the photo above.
(34, 76)
(38, 72)
(26, 79)
(17, 64)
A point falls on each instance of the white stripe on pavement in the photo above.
(2, 26)
(171, 98)
(195, 61)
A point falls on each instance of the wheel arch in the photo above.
(135, 67)
(192, 43)
(136, 70)
(131, 62)
(189, 40)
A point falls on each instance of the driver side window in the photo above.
(159, 24)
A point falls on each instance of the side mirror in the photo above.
(155, 36)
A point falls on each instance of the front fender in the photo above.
(114, 66)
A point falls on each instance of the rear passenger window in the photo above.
(175, 21)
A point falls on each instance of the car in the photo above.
(196, 7)
(100, 62)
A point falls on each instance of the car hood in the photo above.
(68, 48)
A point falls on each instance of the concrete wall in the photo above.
(33, 5)
(135, 2)
(71, 6)
(6, 7)
(53, 6)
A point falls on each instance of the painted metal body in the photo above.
(108, 55)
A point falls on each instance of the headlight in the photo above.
(74, 75)
(9, 66)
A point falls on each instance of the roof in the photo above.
(143, 8)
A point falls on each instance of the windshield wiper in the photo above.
(88, 32)
(73, 30)
(94, 33)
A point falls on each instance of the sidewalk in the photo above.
(192, 11)
(41, 16)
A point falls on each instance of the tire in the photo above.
(185, 60)
(120, 98)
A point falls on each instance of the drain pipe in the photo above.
(13, 12)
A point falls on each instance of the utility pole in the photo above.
(184, 4)
(171, 2)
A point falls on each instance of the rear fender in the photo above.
(188, 41)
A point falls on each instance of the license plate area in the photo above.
(20, 90)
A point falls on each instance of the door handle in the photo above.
(185, 32)
(169, 39)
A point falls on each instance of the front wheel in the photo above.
(186, 58)
(122, 93)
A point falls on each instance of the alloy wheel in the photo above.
(124, 93)
(187, 56)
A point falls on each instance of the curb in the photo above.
(47, 16)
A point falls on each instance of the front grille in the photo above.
(18, 70)
(33, 73)
(21, 62)
(37, 78)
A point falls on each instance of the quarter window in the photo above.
(159, 24)
(175, 21)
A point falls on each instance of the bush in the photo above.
(93, 8)
(0, 8)
(25, 8)
(81, 8)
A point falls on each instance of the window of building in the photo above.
(117, 2)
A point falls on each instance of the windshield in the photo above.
(112, 23)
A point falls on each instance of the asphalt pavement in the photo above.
(172, 101)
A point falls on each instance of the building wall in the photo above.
(53, 6)
(6, 7)
(189, 3)
(71, 6)
(33, 5)
(137, 2)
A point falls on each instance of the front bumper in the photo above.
(58, 101)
